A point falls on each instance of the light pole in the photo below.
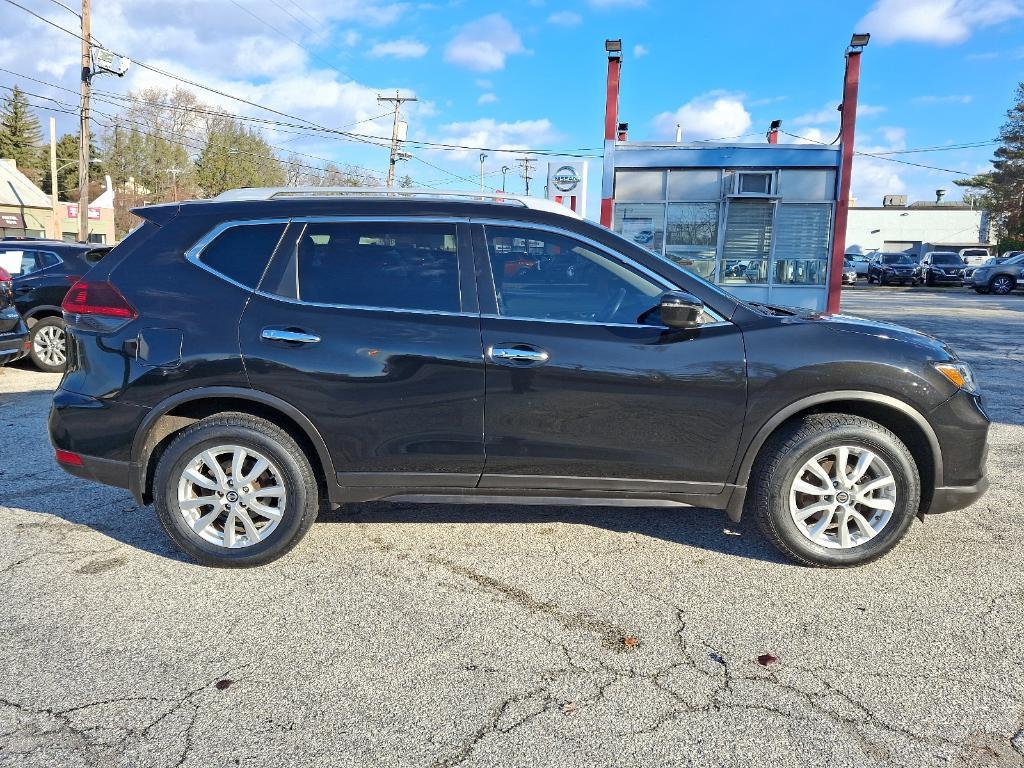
(482, 158)
(504, 172)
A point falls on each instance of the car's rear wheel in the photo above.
(1001, 285)
(48, 345)
(234, 490)
(834, 490)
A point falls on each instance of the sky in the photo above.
(530, 74)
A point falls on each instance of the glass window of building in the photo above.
(643, 223)
(801, 184)
(748, 242)
(701, 184)
(639, 185)
(801, 243)
(691, 236)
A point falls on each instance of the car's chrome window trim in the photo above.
(658, 327)
(362, 307)
(193, 254)
(603, 249)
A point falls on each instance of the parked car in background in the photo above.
(43, 271)
(974, 257)
(999, 279)
(239, 361)
(941, 268)
(888, 268)
(13, 333)
(849, 273)
(860, 262)
(991, 261)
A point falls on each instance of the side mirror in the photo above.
(679, 309)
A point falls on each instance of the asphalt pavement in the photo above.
(402, 635)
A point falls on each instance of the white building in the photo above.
(916, 228)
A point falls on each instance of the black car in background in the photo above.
(13, 333)
(887, 268)
(344, 348)
(941, 268)
(42, 272)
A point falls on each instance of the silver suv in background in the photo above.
(999, 279)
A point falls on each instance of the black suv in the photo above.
(43, 271)
(13, 334)
(239, 361)
(941, 268)
(888, 268)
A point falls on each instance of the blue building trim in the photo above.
(725, 156)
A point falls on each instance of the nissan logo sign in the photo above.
(565, 179)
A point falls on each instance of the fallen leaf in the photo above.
(569, 708)
(223, 685)
(630, 641)
(767, 658)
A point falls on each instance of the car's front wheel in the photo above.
(234, 490)
(834, 490)
(48, 345)
(1001, 285)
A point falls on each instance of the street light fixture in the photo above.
(859, 40)
(613, 46)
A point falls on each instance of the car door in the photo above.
(40, 283)
(585, 388)
(371, 329)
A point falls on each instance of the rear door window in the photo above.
(241, 251)
(391, 265)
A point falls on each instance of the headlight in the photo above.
(960, 374)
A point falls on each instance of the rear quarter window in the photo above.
(241, 252)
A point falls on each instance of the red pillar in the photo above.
(848, 124)
(773, 136)
(611, 123)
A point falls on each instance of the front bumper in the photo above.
(949, 498)
(961, 427)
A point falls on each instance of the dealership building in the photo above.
(918, 227)
(757, 218)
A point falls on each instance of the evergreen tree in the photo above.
(1001, 190)
(67, 167)
(234, 156)
(406, 181)
(20, 134)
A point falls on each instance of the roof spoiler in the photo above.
(158, 214)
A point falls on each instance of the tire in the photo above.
(48, 345)
(1001, 285)
(882, 281)
(871, 280)
(983, 291)
(782, 462)
(287, 484)
(929, 280)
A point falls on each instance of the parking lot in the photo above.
(400, 635)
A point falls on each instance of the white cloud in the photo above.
(935, 21)
(830, 114)
(505, 137)
(713, 115)
(953, 98)
(484, 44)
(484, 84)
(639, 51)
(404, 48)
(565, 19)
(486, 98)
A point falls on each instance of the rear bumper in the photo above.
(106, 471)
(14, 343)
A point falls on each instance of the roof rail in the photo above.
(280, 193)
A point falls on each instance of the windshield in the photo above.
(897, 258)
(1019, 259)
(946, 258)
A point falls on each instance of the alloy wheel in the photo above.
(843, 497)
(1002, 285)
(49, 344)
(232, 496)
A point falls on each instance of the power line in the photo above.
(884, 157)
(287, 37)
(293, 16)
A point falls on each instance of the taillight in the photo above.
(5, 277)
(93, 298)
(68, 457)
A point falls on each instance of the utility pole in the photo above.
(397, 100)
(57, 229)
(174, 180)
(83, 126)
(482, 158)
(526, 163)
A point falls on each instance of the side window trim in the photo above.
(485, 258)
(194, 254)
(462, 253)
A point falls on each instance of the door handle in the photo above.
(516, 355)
(294, 337)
